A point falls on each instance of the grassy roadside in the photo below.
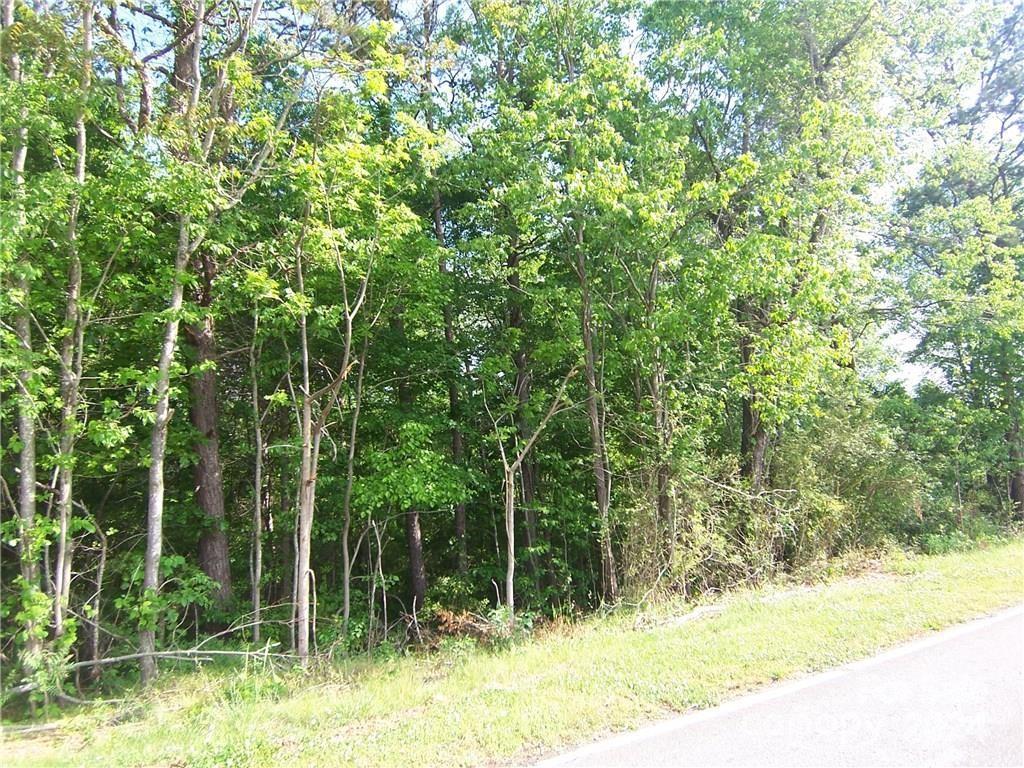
(478, 707)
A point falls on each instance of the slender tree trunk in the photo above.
(663, 472)
(462, 559)
(509, 471)
(311, 433)
(510, 544)
(256, 559)
(1016, 475)
(307, 493)
(346, 556)
(413, 529)
(527, 474)
(666, 535)
(307, 499)
(185, 98)
(27, 462)
(23, 331)
(609, 581)
(754, 444)
(753, 435)
(158, 448)
(71, 345)
(429, 12)
(94, 635)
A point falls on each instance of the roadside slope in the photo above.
(605, 675)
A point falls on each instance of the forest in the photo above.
(328, 325)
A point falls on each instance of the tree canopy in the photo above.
(324, 320)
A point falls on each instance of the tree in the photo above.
(28, 545)
(387, 231)
(956, 235)
(784, 154)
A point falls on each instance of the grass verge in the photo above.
(477, 707)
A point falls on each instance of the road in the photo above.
(955, 698)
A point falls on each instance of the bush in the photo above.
(942, 542)
(974, 531)
(505, 633)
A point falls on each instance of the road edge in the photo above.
(777, 690)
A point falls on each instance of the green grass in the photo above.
(563, 688)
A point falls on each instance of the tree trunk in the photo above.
(609, 580)
(462, 559)
(754, 444)
(753, 435)
(185, 97)
(307, 493)
(1016, 475)
(307, 499)
(510, 469)
(71, 346)
(527, 474)
(510, 544)
(413, 530)
(417, 568)
(662, 473)
(213, 541)
(429, 12)
(185, 77)
(256, 558)
(346, 557)
(311, 433)
(23, 331)
(158, 448)
(666, 534)
(94, 635)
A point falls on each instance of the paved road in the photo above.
(953, 699)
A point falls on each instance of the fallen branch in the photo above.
(192, 654)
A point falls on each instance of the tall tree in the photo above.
(28, 545)
(72, 345)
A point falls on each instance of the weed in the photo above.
(469, 705)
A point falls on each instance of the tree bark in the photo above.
(413, 530)
(214, 558)
(185, 97)
(516, 321)
(256, 558)
(753, 434)
(158, 448)
(602, 477)
(307, 491)
(666, 534)
(754, 444)
(26, 426)
(311, 433)
(462, 558)
(71, 346)
(1016, 474)
(429, 12)
(663, 472)
(509, 471)
(94, 634)
(346, 556)
(209, 484)
(417, 566)
(510, 542)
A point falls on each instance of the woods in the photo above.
(321, 320)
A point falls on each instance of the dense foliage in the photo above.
(325, 324)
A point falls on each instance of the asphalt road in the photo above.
(955, 698)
